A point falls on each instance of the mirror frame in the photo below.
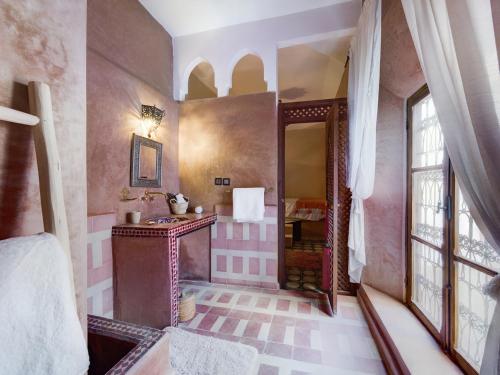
(135, 181)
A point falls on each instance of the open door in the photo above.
(339, 200)
(334, 113)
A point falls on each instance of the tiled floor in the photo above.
(292, 333)
(304, 261)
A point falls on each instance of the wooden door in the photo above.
(339, 199)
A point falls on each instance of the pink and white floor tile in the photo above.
(291, 330)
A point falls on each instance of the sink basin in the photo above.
(165, 220)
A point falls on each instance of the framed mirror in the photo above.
(145, 164)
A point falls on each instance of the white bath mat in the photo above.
(192, 354)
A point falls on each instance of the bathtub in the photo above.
(117, 347)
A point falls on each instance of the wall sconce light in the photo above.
(151, 118)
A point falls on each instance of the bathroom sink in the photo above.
(165, 220)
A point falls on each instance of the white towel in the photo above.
(179, 198)
(248, 204)
(40, 331)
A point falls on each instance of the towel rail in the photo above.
(18, 117)
(268, 190)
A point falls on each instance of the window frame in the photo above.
(447, 336)
(439, 335)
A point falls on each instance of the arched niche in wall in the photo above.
(201, 82)
(248, 76)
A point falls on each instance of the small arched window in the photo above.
(248, 76)
(201, 83)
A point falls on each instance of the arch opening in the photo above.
(201, 82)
(248, 76)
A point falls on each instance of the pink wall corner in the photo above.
(118, 82)
(194, 255)
(36, 45)
(400, 70)
(385, 210)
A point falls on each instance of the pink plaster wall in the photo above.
(400, 70)
(129, 63)
(233, 137)
(194, 256)
(44, 40)
(385, 210)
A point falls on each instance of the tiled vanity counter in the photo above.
(146, 269)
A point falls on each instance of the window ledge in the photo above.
(406, 347)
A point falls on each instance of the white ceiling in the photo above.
(334, 47)
(183, 17)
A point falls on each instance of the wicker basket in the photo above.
(187, 307)
(179, 208)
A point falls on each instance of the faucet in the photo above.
(149, 195)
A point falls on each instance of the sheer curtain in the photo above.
(364, 74)
(455, 43)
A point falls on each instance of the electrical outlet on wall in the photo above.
(226, 181)
(218, 180)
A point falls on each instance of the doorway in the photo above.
(305, 206)
(332, 113)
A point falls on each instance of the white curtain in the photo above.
(455, 43)
(364, 74)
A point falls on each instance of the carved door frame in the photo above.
(335, 112)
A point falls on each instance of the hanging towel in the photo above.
(248, 204)
(179, 198)
(40, 332)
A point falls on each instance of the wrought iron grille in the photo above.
(475, 311)
(474, 259)
(428, 282)
(428, 144)
(428, 196)
(471, 243)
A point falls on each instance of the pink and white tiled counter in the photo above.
(245, 253)
(100, 265)
(242, 254)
